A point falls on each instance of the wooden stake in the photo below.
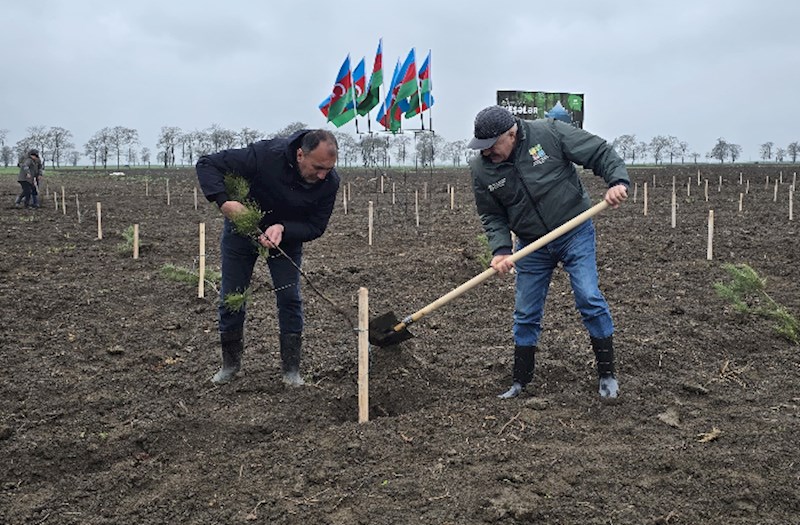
(674, 210)
(416, 206)
(167, 192)
(452, 197)
(741, 201)
(720, 185)
(654, 180)
(781, 176)
(344, 200)
(381, 183)
(424, 191)
(710, 252)
(363, 355)
(673, 183)
(645, 199)
(698, 176)
(775, 193)
(370, 223)
(635, 190)
(393, 193)
(201, 266)
(747, 186)
(706, 190)
(766, 186)
(63, 201)
(195, 199)
(740, 178)
(794, 180)
(791, 204)
(55, 200)
(99, 222)
(147, 188)
(135, 241)
(78, 208)
(349, 192)
(689, 188)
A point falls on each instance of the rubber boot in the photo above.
(604, 357)
(232, 348)
(291, 351)
(524, 363)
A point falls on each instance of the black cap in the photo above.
(34, 152)
(490, 123)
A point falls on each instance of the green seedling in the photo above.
(747, 292)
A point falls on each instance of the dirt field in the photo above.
(107, 414)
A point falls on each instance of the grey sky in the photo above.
(697, 70)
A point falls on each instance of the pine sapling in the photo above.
(746, 291)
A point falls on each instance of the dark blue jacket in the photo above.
(270, 166)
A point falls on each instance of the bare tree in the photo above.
(455, 151)
(73, 157)
(428, 146)
(640, 151)
(120, 138)
(374, 150)
(348, 149)
(221, 138)
(793, 150)
(58, 143)
(734, 151)
(625, 146)
(401, 143)
(170, 137)
(719, 151)
(695, 156)
(3, 135)
(766, 150)
(145, 154)
(681, 150)
(660, 146)
(36, 138)
(247, 136)
(780, 154)
(288, 130)
(6, 155)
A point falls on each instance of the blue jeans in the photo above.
(576, 251)
(239, 256)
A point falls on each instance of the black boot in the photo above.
(604, 356)
(291, 350)
(232, 348)
(524, 363)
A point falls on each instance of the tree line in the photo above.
(121, 146)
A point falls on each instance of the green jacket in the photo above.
(537, 189)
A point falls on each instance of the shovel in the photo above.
(386, 330)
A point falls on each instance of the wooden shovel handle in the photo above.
(532, 247)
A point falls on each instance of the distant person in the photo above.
(37, 184)
(29, 170)
(293, 181)
(524, 181)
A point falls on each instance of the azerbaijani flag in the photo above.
(342, 92)
(425, 86)
(373, 95)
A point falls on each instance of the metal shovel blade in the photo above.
(382, 331)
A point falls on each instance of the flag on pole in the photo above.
(425, 87)
(335, 107)
(373, 96)
(389, 114)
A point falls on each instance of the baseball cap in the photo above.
(34, 152)
(490, 123)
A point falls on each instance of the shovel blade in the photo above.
(382, 332)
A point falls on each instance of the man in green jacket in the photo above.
(525, 181)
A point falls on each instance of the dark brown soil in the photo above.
(107, 414)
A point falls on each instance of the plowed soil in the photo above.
(107, 414)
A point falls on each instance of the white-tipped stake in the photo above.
(363, 355)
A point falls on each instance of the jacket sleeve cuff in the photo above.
(220, 198)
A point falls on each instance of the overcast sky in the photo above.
(695, 69)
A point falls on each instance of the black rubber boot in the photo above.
(291, 351)
(232, 348)
(524, 363)
(604, 357)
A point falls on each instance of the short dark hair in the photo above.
(313, 138)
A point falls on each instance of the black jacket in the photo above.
(270, 166)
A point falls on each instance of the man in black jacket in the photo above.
(293, 181)
(525, 181)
